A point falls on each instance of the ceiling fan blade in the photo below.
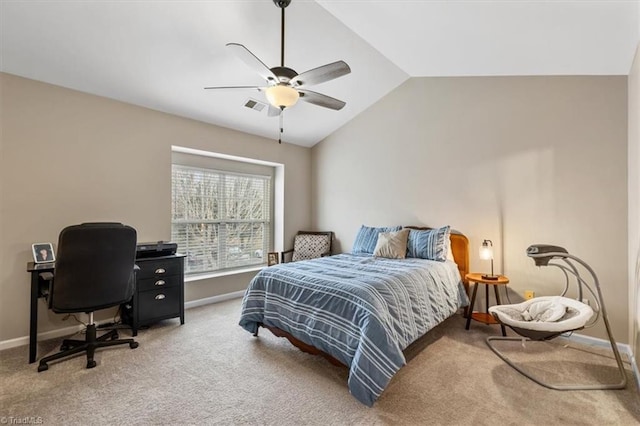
(321, 100)
(273, 111)
(253, 62)
(321, 74)
(237, 87)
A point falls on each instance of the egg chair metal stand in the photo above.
(577, 316)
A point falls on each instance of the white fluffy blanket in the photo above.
(546, 313)
(545, 310)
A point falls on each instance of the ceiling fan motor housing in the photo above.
(282, 3)
(284, 74)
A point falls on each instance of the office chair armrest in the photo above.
(133, 278)
(47, 276)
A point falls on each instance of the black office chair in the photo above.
(94, 270)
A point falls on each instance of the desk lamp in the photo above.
(486, 253)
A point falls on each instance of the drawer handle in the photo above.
(160, 271)
(160, 297)
(160, 282)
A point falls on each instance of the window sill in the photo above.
(200, 277)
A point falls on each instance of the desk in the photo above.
(159, 294)
(38, 288)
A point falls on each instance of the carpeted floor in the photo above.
(210, 371)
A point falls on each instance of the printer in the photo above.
(155, 249)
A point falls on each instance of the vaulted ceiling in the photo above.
(161, 54)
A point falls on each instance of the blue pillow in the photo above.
(432, 244)
(368, 237)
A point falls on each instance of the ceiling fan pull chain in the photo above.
(281, 125)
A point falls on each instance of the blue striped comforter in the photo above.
(362, 310)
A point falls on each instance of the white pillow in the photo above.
(392, 245)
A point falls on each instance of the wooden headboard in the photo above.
(460, 249)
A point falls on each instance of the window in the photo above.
(220, 219)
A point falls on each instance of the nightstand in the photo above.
(484, 317)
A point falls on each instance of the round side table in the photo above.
(484, 317)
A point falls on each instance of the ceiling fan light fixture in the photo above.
(281, 96)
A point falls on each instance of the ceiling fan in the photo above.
(284, 85)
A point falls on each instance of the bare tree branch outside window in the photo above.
(220, 220)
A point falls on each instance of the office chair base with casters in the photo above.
(89, 345)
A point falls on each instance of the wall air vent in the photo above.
(253, 104)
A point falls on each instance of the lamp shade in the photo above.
(486, 250)
(282, 96)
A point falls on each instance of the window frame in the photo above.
(224, 264)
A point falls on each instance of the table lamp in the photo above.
(486, 253)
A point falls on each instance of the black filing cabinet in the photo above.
(159, 292)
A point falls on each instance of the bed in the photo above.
(358, 310)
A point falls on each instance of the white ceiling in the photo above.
(160, 54)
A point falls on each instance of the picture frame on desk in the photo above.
(43, 253)
(272, 258)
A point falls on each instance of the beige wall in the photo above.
(634, 205)
(518, 160)
(69, 157)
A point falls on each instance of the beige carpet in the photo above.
(210, 371)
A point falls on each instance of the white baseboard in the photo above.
(214, 299)
(634, 368)
(66, 331)
(52, 334)
(596, 341)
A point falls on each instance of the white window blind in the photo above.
(221, 220)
